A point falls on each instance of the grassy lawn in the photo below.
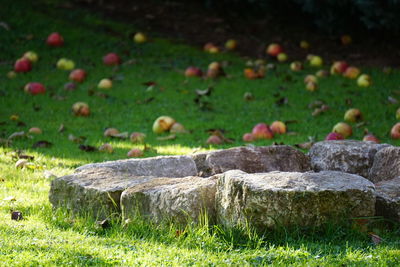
(48, 237)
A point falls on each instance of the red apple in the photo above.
(111, 59)
(262, 131)
(343, 128)
(334, 136)
(106, 148)
(250, 74)
(395, 131)
(35, 88)
(274, 49)
(55, 39)
(81, 109)
(177, 128)
(193, 72)
(35, 130)
(296, 66)
(372, 138)
(352, 72)
(214, 140)
(135, 153)
(278, 127)
(248, 137)
(78, 75)
(339, 67)
(22, 65)
(110, 132)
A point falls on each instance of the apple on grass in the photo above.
(304, 44)
(214, 140)
(110, 132)
(352, 72)
(334, 136)
(322, 73)
(364, 80)
(282, 57)
(353, 115)
(395, 131)
(296, 66)
(106, 148)
(140, 38)
(163, 124)
(311, 86)
(55, 39)
(31, 56)
(81, 109)
(339, 67)
(231, 44)
(274, 49)
(315, 61)
(35, 130)
(11, 74)
(248, 137)
(105, 84)
(310, 78)
(77, 75)
(111, 59)
(262, 131)
(35, 88)
(135, 153)
(137, 137)
(22, 65)
(193, 72)
(278, 127)
(65, 64)
(343, 129)
(177, 128)
(372, 138)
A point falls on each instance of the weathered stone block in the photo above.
(386, 165)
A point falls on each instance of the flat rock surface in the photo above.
(388, 199)
(386, 165)
(180, 200)
(349, 156)
(252, 159)
(96, 191)
(163, 166)
(292, 198)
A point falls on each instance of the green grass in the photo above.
(47, 237)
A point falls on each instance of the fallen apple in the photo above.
(322, 73)
(304, 44)
(137, 137)
(22, 65)
(282, 57)
(110, 132)
(364, 80)
(140, 38)
(193, 72)
(81, 109)
(231, 44)
(353, 115)
(106, 148)
(163, 124)
(31, 56)
(135, 153)
(316, 61)
(334, 136)
(65, 64)
(35, 130)
(310, 78)
(343, 128)
(55, 39)
(372, 138)
(278, 127)
(296, 66)
(395, 131)
(339, 67)
(250, 74)
(177, 128)
(352, 72)
(111, 59)
(311, 86)
(214, 140)
(78, 75)
(35, 88)
(248, 137)
(274, 49)
(262, 131)
(105, 84)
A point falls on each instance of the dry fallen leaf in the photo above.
(42, 144)
(87, 148)
(375, 238)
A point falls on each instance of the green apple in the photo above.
(364, 80)
(32, 56)
(343, 128)
(316, 61)
(105, 84)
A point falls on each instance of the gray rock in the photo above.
(251, 160)
(180, 200)
(163, 166)
(349, 156)
(268, 200)
(386, 165)
(95, 192)
(388, 199)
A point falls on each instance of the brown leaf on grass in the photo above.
(16, 215)
(145, 101)
(316, 104)
(17, 135)
(76, 139)
(220, 134)
(320, 110)
(166, 138)
(87, 148)
(24, 156)
(282, 101)
(42, 144)
(21, 124)
(150, 83)
(104, 224)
